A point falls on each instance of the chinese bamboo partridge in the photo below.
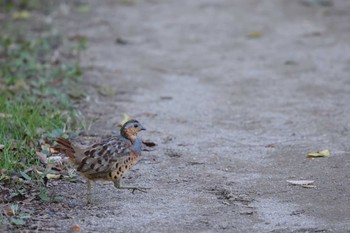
(108, 159)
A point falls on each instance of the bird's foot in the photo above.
(88, 194)
(141, 189)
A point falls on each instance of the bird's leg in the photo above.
(117, 185)
(88, 194)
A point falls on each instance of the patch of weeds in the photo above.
(35, 97)
(19, 133)
(38, 98)
(9, 5)
(15, 216)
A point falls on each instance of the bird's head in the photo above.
(130, 129)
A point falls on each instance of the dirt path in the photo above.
(233, 116)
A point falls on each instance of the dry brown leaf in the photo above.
(77, 37)
(10, 212)
(75, 227)
(41, 156)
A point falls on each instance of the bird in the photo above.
(108, 159)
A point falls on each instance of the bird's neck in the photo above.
(129, 137)
(137, 145)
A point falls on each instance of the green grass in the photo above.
(8, 5)
(35, 98)
(39, 95)
(25, 124)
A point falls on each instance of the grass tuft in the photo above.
(35, 97)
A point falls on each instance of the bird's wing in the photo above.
(100, 157)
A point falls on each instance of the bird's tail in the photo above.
(65, 147)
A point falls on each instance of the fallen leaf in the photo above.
(308, 186)
(75, 227)
(17, 221)
(77, 37)
(322, 153)
(57, 160)
(10, 212)
(53, 150)
(107, 91)
(58, 168)
(303, 183)
(270, 146)
(53, 176)
(300, 182)
(43, 195)
(125, 119)
(247, 212)
(21, 15)
(254, 34)
(41, 156)
(25, 176)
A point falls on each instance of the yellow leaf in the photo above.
(107, 91)
(322, 153)
(255, 34)
(21, 15)
(53, 176)
(125, 119)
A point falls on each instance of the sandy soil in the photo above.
(233, 115)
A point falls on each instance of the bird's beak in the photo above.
(143, 128)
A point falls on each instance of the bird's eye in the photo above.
(136, 125)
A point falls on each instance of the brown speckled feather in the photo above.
(98, 160)
(109, 159)
(101, 156)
